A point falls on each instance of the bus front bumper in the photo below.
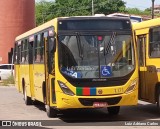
(65, 101)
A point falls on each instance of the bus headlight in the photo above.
(132, 86)
(65, 89)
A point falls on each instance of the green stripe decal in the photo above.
(79, 91)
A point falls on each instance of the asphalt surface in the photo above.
(12, 107)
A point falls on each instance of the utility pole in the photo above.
(153, 9)
(92, 8)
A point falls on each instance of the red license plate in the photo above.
(100, 104)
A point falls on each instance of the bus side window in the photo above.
(141, 49)
(15, 53)
(154, 44)
(43, 40)
(51, 49)
(42, 48)
(31, 50)
(19, 54)
(22, 52)
(37, 49)
(26, 51)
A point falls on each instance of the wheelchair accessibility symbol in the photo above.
(106, 71)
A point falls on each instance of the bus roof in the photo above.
(51, 23)
(146, 24)
(36, 29)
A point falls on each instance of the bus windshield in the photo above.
(96, 56)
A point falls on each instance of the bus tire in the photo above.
(113, 110)
(51, 112)
(27, 100)
(44, 92)
(158, 99)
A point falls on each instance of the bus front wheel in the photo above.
(158, 99)
(113, 110)
(51, 112)
(27, 100)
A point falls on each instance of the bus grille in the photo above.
(90, 101)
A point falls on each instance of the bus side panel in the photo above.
(152, 77)
(26, 79)
(17, 76)
(39, 78)
(31, 87)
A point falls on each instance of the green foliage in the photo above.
(84, 7)
(109, 6)
(48, 10)
(71, 7)
(137, 11)
(148, 9)
(7, 82)
(44, 11)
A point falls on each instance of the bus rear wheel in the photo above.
(113, 110)
(51, 112)
(158, 99)
(27, 100)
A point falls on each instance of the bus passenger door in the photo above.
(49, 70)
(141, 46)
(31, 67)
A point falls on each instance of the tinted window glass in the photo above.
(94, 24)
(5, 67)
(37, 49)
(154, 45)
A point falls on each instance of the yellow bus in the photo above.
(78, 62)
(148, 46)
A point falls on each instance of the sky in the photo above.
(140, 4)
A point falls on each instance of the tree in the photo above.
(72, 7)
(109, 6)
(137, 11)
(84, 7)
(48, 10)
(44, 11)
(148, 9)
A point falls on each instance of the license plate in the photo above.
(100, 104)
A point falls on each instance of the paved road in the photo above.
(12, 107)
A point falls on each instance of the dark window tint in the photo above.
(94, 24)
(15, 53)
(26, 50)
(37, 48)
(5, 67)
(43, 40)
(18, 54)
(154, 44)
(141, 45)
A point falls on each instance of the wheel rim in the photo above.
(25, 95)
(47, 109)
(159, 100)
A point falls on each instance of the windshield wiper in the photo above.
(80, 49)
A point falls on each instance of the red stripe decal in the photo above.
(86, 91)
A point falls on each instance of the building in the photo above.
(16, 17)
(157, 9)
